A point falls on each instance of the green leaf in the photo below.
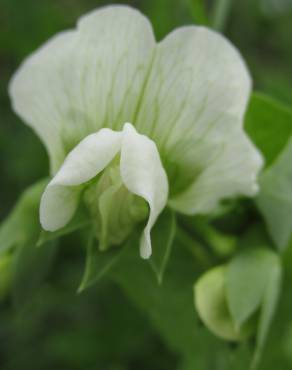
(79, 221)
(246, 281)
(29, 264)
(275, 198)
(30, 267)
(269, 125)
(269, 303)
(162, 237)
(98, 262)
(23, 219)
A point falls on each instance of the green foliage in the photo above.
(198, 10)
(30, 267)
(24, 265)
(269, 124)
(275, 198)
(162, 238)
(23, 221)
(6, 275)
(78, 222)
(269, 303)
(98, 262)
(220, 14)
(246, 281)
(253, 283)
(211, 303)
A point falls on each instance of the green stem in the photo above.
(197, 249)
(220, 14)
(198, 11)
(220, 244)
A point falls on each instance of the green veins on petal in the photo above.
(188, 93)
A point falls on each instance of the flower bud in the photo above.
(211, 304)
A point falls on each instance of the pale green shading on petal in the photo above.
(60, 199)
(232, 173)
(143, 174)
(84, 79)
(108, 207)
(196, 77)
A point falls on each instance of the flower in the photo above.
(184, 97)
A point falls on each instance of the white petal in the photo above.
(85, 79)
(58, 205)
(143, 174)
(85, 161)
(232, 173)
(89, 157)
(197, 78)
(192, 108)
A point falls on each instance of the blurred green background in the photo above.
(54, 328)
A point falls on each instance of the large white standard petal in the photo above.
(197, 79)
(193, 107)
(85, 161)
(85, 79)
(143, 174)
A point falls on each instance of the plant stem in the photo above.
(198, 11)
(197, 249)
(220, 14)
(218, 243)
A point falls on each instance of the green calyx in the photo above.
(114, 210)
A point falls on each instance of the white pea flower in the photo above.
(124, 118)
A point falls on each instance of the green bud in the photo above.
(211, 304)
